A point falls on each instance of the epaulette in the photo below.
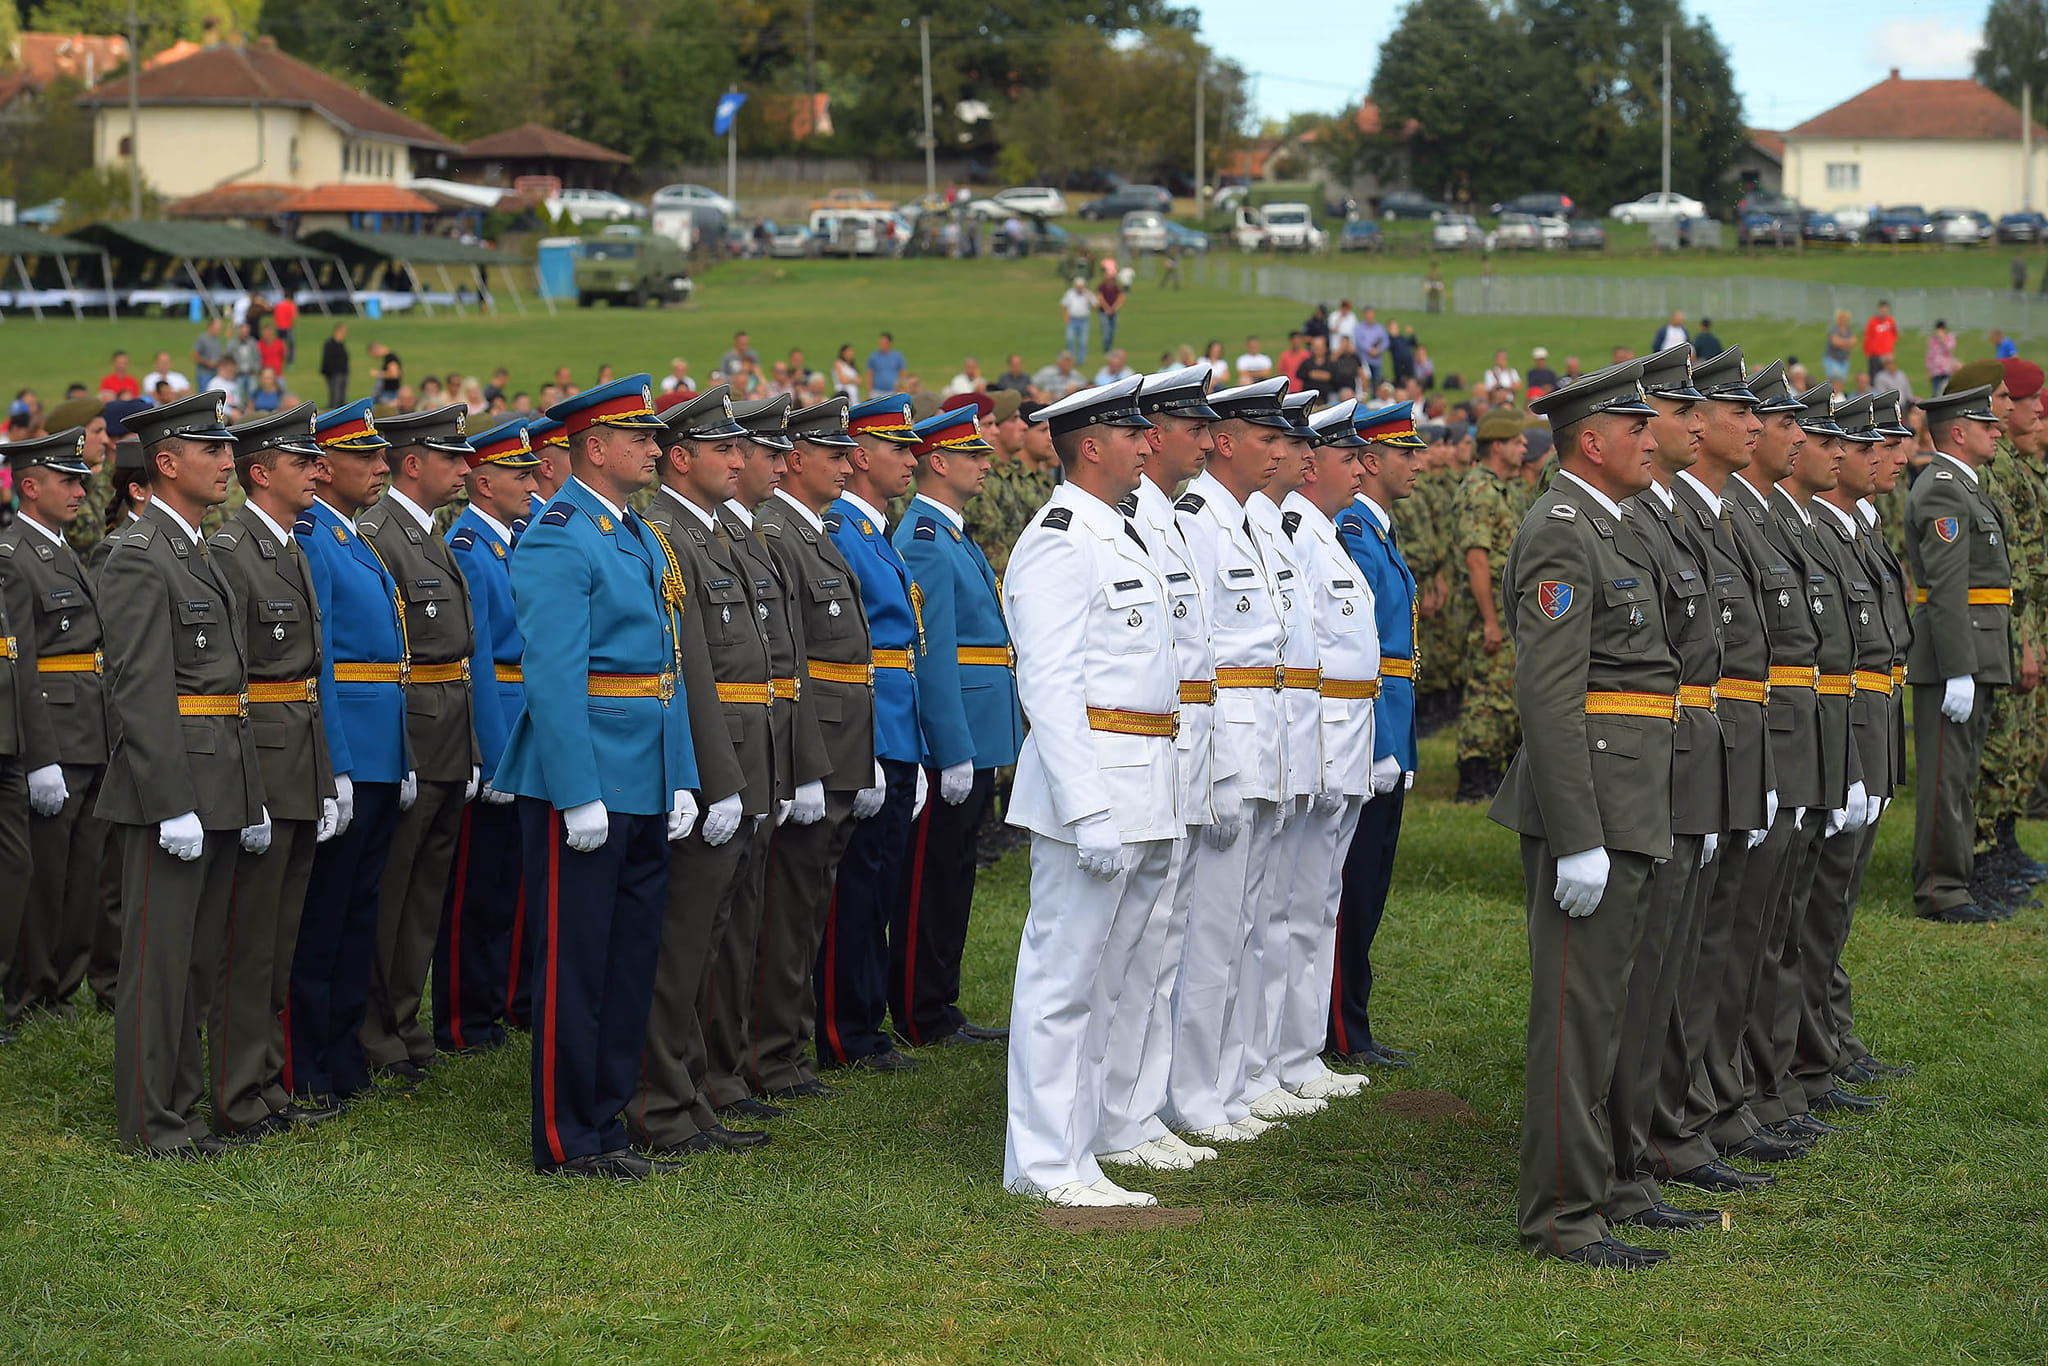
(6, 550)
(1189, 502)
(368, 524)
(1351, 522)
(833, 521)
(463, 539)
(556, 516)
(141, 533)
(1059, 519)
(773, 529)
(1128, 504)
(1943, 474)
(305, 524)
(1564, 512)
(927, 530)
(1290, 522)
(226, 537)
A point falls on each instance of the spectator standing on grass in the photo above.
(1109, 299)
(1880, 336)
(1075, 306)
(1344, 322)
(1941, 357)
(1501, 376)
(1371, 339)
(1834, 356)
(735, 355)
(334, 365)
(270, 348)
(1317, 324)
(845, 374)
(1014, 378)
(1314, 374)
(1059, 379)
(1290, 359)
(1671, 333)
(1892, 380)
(1219, 366)
(1254, 365)
(162, 373)
(1345, 368)
(206, 353)
(1542, 379)
(227, 383)
(1400, 351)
(970, 380)
(1705, 345)
(885, 367)
(118, 382)
(285, 317)
(248, 355)
(2019, 278)
(2002, 346)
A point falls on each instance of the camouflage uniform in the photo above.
(91, 527)
(1426, 522)
(1009, 499)
(2013, 748)
(1490, 511)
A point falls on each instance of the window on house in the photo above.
(1845, 175)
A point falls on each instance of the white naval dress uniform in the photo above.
(1348, 646)
(1141, 1034)
(1205, 1085)
(1089, 617)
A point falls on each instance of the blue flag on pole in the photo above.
(728, 108)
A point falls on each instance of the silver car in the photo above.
(1454, 231)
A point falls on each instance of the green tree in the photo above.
(477, 66)
(162, 22)
(41, 154)
(1447, 85)
(2015, 51)
(361, 41)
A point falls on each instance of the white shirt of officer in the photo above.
(1205, 758)
(1245, 629)
(1301, 716)
(1347, 641)
(1088, 612)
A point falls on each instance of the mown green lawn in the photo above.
(875, 1229)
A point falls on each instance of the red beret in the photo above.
(982, 404)
(2022, 377)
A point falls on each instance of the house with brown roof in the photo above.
(229, 114)
(32, 62)
(1932, 143)
(534, 149)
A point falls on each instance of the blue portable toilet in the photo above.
(555, 263)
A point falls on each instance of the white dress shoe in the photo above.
(1278, 1104)
(1146, 1155)
(1118, 1195)
(1175, 1143)
(1178, 1158)
(1330, 1086)
(1224, 1133)
(1251, 1126)
(1081, 1195)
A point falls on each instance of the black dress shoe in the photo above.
(986, 1033)
(1803, 1129)
(1871, 1063)
(750, 1108)
(1968, 914)
(309, 1112)
(1838, 1099)
(957, 1039)
(1370, 1056)
(263, 1128)
(1670, 1219)
(689, 1147)
(803, 1090)
(1764, 1147)
(183, 1152)
(733, 1140)
(8, 1036)
(405, 1071)
(1612, 1252)
(212, 1145)
(888, 1060)
(1855, 1073)
(623, 1165)
(1719, 1176)
(1391, 1051)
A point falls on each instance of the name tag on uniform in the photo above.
(1126, 585)
(1242, 573)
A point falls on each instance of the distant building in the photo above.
(34, 61)
(534, 150)
(228, 115)
(1932, 143)
(1760, 166)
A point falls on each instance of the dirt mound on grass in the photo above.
(1429, 1107)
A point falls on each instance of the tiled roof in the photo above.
(1772, 144)
(533, 141)
(232, 201)
(1899, 108)
(260, 74)
(363, 198)
(45, 56)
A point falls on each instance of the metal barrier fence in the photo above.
(1728, 298)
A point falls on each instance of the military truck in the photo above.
(628, 267)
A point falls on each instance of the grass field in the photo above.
(875, 1229)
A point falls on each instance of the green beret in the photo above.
(1503, 424)
(1976, 374)
(73, 412)
(923, 405)
(1006, 402)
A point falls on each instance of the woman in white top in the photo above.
(845, 374)
(1219, 366)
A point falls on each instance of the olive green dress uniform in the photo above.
(1669, 947)
(17, 863)
(839, 690)
(1596, 684)
(177, 680)
(273, 587)
(440, 736)
(735, 747)
(1487, 516)
(103, 962)
(1957, 548)
(48, 591)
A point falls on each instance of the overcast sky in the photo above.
(1791, 60)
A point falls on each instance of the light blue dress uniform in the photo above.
(359, 611)
(967, 710)
(1379, 559)
(890, 599)
(483, 555)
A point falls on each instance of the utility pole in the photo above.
(1667, 111)
(811, 64)
(1201, 152)
(924, 43)
(134, 117)
(2027, 148)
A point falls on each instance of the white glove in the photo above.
(476, 778)
(1959, 698)
(1856, 811)
(1582, 881)
(409, 791)
(1837, 819)
(1231, 817)
(1408, 781)
(329, 824)
(182, 836)
(1757, 837)
(1872, 811)
(868, 800)
(924, 792)
(1386, 775)
(256, 838)
(586, 827)
(956, 781)
(344, 801)
(1798, 818)
(1770, 809)
(682, 814)
(808, 808)
(1326, 803)
(1099, 846)
(722, 821)
(782, 810)
(490, 796)
(46, 790)
(1710, 845)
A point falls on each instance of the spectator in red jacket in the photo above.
(118, 382)
(1880, 337)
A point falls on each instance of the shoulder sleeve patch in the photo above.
(1564, 512)
(1189, 502)
(927, 530)
(1059, 519)
(555, 516)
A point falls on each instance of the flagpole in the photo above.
(732, 152)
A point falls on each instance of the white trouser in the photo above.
(1266, 980)
(1078, 941)
(1140, 1048)
(1207, 1069)
(1312, 948)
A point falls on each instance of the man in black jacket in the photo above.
(334, 365)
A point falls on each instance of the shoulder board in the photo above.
(1943, 474)
(139, 533)
(1189, 502)
(227, 537)
(1059, 519)
(1128, 504)
(369, 523)
(1351, 522)
(555, 516)
(927, 530)
(770, 529)
(304, 525)
(833, 521)
(1290, 522)
(1564, 512)
(463, 539)
(6, 550)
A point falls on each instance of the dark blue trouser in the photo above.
(594, 921)
(1368, 870)
(853, 962)
(928, 929)
(330, 984)
(473, 955)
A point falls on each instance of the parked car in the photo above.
(1042, 200)
(1659, 206)
(1553, 232)
(790, 241)
(1901, 223)
(1759, 228)
(584, 206)
(1854, 218)
(1291, 227)
(1361, 234)
(1586, 234)
(1186, 238)
(1410, 204)
(1455, 230)
(1824, 227)
(693, 196)
(629, 270)
(1129, 199)
(854, 198)
(1248, 230)
(1962, 227)
(2027, 226)
(1517, 232)
(1536, 204)
(1143, 230)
